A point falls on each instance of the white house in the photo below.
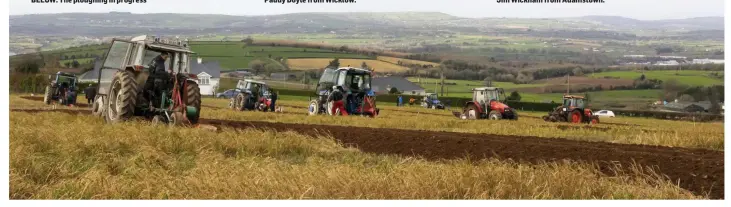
(707, 61)
(209, 73)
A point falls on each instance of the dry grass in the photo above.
(616, 130)
(85, 159)
(319, 63)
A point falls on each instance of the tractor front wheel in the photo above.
(47, 95)
(122, 97)
(471, 112)
(314, 108)
(595, 120)
(575, 117)
(494, 115)
(193, 98)
(97, 108)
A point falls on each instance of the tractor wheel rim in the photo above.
(113, 104)
(471, 114)
(575, 117)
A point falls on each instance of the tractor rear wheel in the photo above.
(314, 108)
(193, 98)
(122, 97)
(47, 96)
(575, 117)
(471, 112)
(494, 115)
(241, 101)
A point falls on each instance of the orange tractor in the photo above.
(487, 104)
(573, 110)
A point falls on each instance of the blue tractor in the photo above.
(431, 101)
(62, 89)
(251, 95)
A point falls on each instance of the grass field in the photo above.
(86, 159)
(688, 77)
(319, 63)
(234, 55)
(405, 61)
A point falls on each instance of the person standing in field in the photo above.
(400, 101)
(337, 98)
(274, 99)
(90, 93)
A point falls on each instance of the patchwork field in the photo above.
(404, 153)
(319, 63)
(690, 77)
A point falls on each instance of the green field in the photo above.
(234, 55)
(689, 77)
(466, 85)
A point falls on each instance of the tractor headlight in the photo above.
(564, 109)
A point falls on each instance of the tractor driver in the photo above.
(157, 78)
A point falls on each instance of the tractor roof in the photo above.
(486, 89)
(65, 74)
(255, 81)
(355, 69)
(164, 44)
(573, 97)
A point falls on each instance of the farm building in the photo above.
(707, 61)
(382, 85)
(669, 62)
(209, 73)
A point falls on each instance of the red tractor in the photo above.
(486, 104)
(573, 110)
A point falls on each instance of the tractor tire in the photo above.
(97, 108)
(515, 116)
(576, 117)
(471, 112)
(494, 115)
(192, 97)
(122, 98)
(313, 108)
(47, 96)
(241, 101)
(594, 120)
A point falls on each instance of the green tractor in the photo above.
(62, 89)
(129, 86)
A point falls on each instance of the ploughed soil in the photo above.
(698, 170)
(40, 98)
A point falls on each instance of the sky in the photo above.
(637, 9)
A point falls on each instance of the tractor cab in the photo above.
(572, 102)
(252, 86)
(65, 80)
(486, 94)
(351, 80)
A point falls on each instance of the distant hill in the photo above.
(698, 23)
(120, 24)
